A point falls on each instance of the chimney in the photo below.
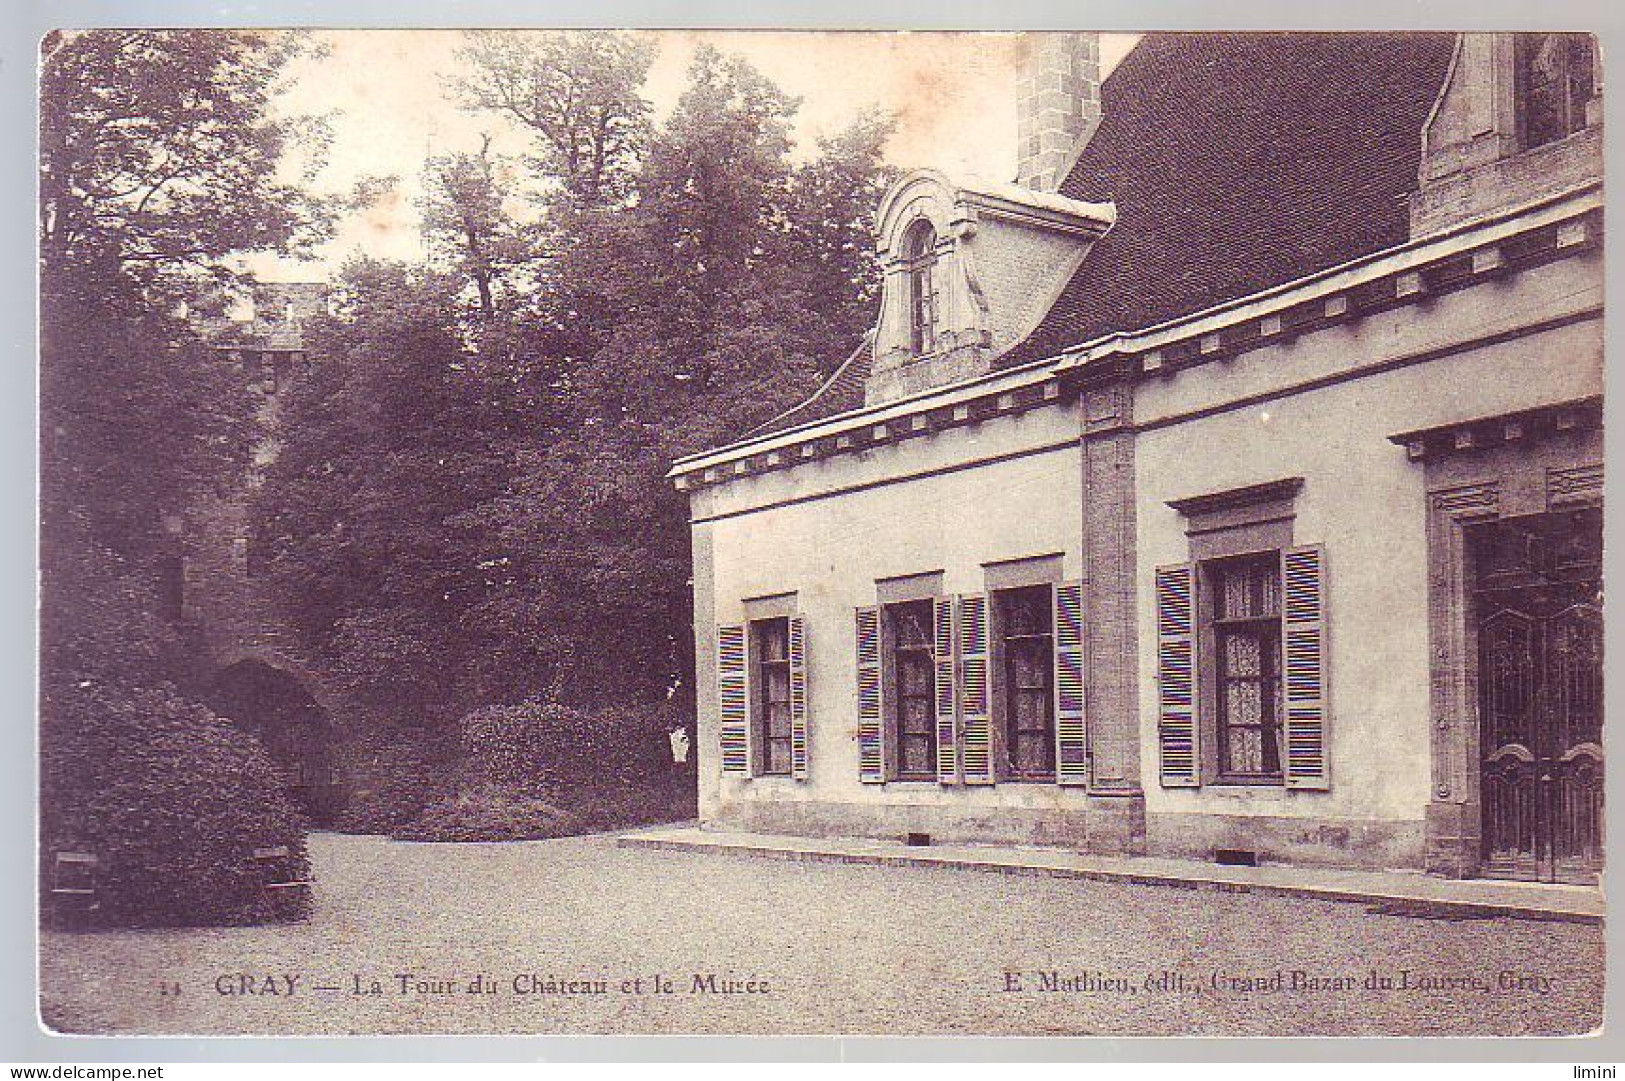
(1057, 107)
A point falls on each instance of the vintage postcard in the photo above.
(786, 532)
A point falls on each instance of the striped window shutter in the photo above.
(798, 698)
(733, 699)
(1303, 646)
(975, 694)
(871, 711)
(947, 707)
(1176, 675)
(1071, 742)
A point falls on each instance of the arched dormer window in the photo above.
(920, 260)
(1555, 79)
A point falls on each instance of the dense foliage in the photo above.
(173, 802)
(544, 769)
(471, 509)
(468, 516)
(159, 159)
(543, 745)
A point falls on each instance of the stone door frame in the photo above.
(1533, 462)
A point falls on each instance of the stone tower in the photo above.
(1057, 106)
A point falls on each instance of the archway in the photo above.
(277, 707)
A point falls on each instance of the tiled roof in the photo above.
(1236, 162)
(1241, 161)
(841, 392)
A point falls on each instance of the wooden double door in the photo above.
(1537, 593)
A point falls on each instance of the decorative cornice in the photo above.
(1469, 500)
(1430, 267)
(1420, 270)
(1579, 485)
(929, 419)
(1275, 491)
(1481, 433)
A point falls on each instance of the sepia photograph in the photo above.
(632, 532)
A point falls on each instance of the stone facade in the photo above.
(1057, 106)
(1353, 422)
(244, 652)
(1000, 256)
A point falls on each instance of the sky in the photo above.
(388, 107)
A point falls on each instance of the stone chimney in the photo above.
(1057, 107)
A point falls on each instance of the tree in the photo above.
(831, 226)
(158, 160)
(465, 527)
(391, 437)
(159, 155)
(466, 225)
(682, 325)
(578, 92)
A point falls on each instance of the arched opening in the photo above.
(920, 260)
(276, 707)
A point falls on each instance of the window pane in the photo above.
(914, 675)
(1025, 611)
(1030, 672)
(1032, 712)
(1243, 655)
(1269, 587)
(778, 719)
(911, 624)
(775, 640)
(917, 715)
(778, 756)
(778, 682)
(1246, 751)
(1243, 702)
(918, 757)
(1033, 753)
(1248, 589)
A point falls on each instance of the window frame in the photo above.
(762, 737)
(1213, 631)
(1004, 689)
(1224, 527)
(919, 273)
(892, 700)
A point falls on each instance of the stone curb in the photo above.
(1386, 902)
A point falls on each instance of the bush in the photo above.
(390, 777)
(542, 769)
(172, 801)
(489, 814)
(546, 744)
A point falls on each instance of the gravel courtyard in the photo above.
(579, 936)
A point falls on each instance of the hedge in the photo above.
(173, 803)
(541, 744)
(542, 769)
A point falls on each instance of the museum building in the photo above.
(1227, 487)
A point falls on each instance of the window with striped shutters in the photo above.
(798, 698)
(871, 710)
(1303, 648)
(947, 709)
(1071, 741)
(975, 698)
(1176, 675)
(733, 699)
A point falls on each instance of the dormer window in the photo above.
(1555, 79)
(920, 260)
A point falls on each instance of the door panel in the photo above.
(1539, 610)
